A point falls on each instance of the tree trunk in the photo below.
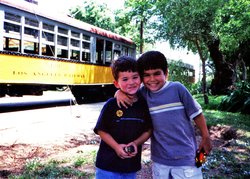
(141, 36)
(243, 67)
(204, 76)
(224, 76)
(204, 81)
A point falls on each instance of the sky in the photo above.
(62, 6)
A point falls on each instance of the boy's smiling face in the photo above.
(154, 79)
(129, 82)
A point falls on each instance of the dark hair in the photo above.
(152, 60)
(123, 64)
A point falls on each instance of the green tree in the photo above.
(136, 16)
(232, 25)
(125, 27)
(120, 21)
(189, 23)
(95, 14)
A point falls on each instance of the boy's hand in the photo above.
(205, 145)
(121, 153)
(135, 150)
(122, 99)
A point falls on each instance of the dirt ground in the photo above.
(13, 156)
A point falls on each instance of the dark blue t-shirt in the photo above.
(124, 125)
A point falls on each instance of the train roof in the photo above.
(35, 9)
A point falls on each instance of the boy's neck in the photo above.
(133, 97)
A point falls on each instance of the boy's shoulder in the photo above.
(176, 84)
(110, 102)
(168, 84)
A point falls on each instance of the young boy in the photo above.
(173, 110)
(121, 128)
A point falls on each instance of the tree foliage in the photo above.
(133, 21)
(197, 25)
(215, 29)
(232, 24)
(96, 14)
(182, 22)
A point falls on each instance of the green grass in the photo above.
(67, 168)
(236, 120)
(232, 161)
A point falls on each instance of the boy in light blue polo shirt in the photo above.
(121, 128)
(173, 111)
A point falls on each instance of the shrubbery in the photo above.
(238, 100)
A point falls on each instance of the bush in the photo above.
(238, 100)
(214, 101)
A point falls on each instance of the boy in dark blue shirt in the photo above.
(121, 128)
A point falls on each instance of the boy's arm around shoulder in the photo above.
(205, 143)
(122, 99)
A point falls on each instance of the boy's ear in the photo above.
(166, 74)
(116, 84)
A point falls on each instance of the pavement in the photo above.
(48, 125)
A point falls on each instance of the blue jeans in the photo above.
(104, 174)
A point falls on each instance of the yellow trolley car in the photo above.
(41, 51)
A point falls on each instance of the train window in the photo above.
(11, 28)
(117, 53)
(62, 53)
(108, 52)
(48, 36)
(108, 57)
(62, 40)
(30, 33)
(190, 73)
(30, 47)
(62, 31)
(11, 44)
(12, 17)
(48, 27)
(130, 52)
(124, 51)
(75, 54)
(75, 43)
(48, 50)
(99, 50)
(85, 45)
(75, 34)
(31, 22)
(117, 46)
(86, 56)
(85, 37)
